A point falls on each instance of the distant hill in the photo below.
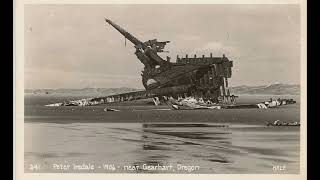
(273, 89)
(91, 92)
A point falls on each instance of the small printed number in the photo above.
(33, 167)
(279, 168)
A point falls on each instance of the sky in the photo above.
(71, 46)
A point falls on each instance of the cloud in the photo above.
(59, 78)
(71, 45)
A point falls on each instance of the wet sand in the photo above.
(218, 141)
(140, 112)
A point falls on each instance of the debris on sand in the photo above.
(187, 103)
(192, 103)
(156, 101)
(199, 103)
(55, 104)
(279, 102)
(279, 123)
(81, 102)
(109, 109)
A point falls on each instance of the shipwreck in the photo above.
(200, 77)
(205, 77)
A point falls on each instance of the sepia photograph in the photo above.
(162, 88)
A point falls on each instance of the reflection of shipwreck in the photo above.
(205, 77)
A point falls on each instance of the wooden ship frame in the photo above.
(205, 77)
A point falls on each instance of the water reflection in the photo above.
(216, 148)
(162, 144)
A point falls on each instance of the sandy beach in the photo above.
(142, 135)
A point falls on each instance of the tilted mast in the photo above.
(126, 34)
(147, 51)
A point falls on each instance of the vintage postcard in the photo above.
(136, 90)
